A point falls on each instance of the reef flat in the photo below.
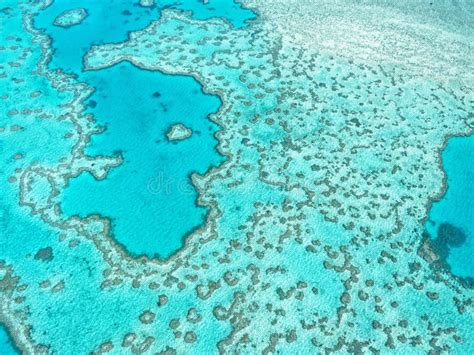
(332, 119)
(70, 18)
(178, 132)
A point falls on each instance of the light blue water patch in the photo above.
(7, 347)
(111, 21)
(451, 220)
(149, 197)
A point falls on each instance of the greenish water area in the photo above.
(7, 347)
(149, 198)
(451, 220)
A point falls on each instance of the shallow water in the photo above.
(111, 21)
(6, 343)
(451, 220)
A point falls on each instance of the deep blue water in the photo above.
(149, 197)
(451, 220)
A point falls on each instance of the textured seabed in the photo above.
(330, 141)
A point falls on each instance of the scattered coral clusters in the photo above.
(312, 242)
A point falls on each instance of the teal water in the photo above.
(7, 347)
(149, 199)
(451, 220)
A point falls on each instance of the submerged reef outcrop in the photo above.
(178, 132)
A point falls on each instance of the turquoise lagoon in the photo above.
(149, 198)
(451, 219)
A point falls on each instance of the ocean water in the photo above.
(312, 242)
(451, 219)
(7, 347)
